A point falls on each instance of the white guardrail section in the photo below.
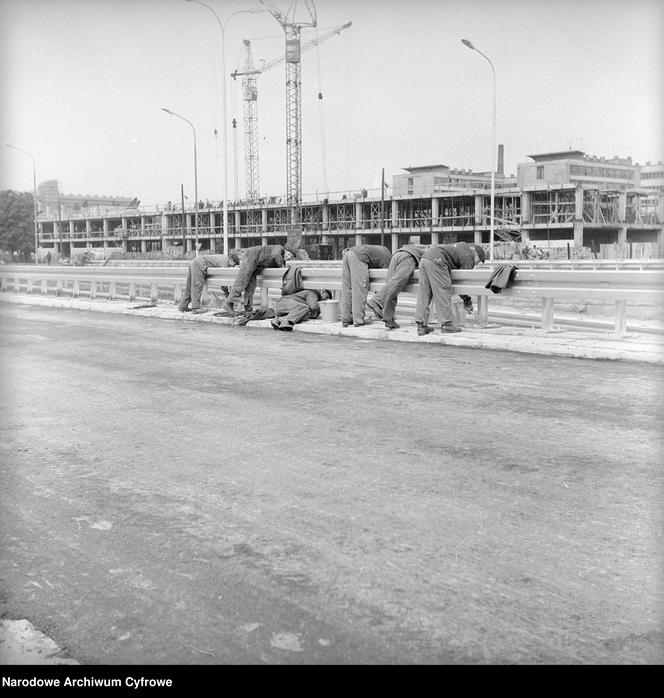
(634, 265)
(545, 285)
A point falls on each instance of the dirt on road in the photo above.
(179, 493)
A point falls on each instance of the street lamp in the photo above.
(34, 195)
(467, 43)
(224, 129)
(168, 111)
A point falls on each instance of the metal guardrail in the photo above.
(545, 285)
(578, 264)
(585, 264)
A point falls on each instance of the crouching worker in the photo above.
(196, 275)
(289, 310)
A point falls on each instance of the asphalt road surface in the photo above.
(190, 493)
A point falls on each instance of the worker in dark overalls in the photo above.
(355, 280)
(399, 272)
(435, 282)
(255, 259)
(196, 275)
(288, 310)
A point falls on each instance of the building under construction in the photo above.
(566, 198)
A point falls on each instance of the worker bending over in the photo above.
(253, 262)
(355, 280)
(435, 282)
(196, 275)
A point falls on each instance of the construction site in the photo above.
(565, 203)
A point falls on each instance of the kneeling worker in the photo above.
(289, 310)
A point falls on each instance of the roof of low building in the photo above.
(427, 168)
(560, 155)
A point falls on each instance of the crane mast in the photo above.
(250, 96)
(250, 112)
(293, 123)
(292, 31)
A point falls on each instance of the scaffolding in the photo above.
(553, 207)
(601, 207)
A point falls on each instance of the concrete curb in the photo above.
(574, 344)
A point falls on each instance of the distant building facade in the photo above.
(651, 177)
(574, 167)
(431, 179)
(53, 204)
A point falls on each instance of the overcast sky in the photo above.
(83, 83)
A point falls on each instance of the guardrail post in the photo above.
(177, 292)
(621, 318)
(154, 292)
(482, 311)
(30, 286)
(132, 290)
(76, 290)
(112, 291)
(43, 287)
(93, 289)
(58, 287)
(547, 314)
(458, 312)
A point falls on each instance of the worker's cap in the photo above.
(480, 252)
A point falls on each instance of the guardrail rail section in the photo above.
(532, 282)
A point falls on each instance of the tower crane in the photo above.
(292, 29)
(250, 97)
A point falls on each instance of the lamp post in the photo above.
(34, 195)
(224, 125)
(467, 43)
(168, 111)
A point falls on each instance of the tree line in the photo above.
(17, 223)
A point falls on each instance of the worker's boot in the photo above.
(423, 329)
(449, 327)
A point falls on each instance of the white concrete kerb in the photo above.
(574, 344)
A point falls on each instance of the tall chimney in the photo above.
(501, 160)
